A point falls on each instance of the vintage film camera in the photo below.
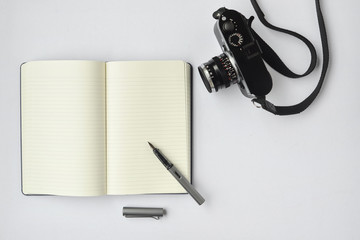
(241, 63)
(244, 53)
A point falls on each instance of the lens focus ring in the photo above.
(229, 69)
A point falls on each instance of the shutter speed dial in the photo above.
(236, 39)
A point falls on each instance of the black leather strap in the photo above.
(276, 63)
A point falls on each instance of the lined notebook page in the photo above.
(63, 128)
(147, 101)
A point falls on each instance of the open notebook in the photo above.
(85, 126)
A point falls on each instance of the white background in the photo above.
(263, 176)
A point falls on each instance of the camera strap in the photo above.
(270, 57)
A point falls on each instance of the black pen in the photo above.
(178, 176)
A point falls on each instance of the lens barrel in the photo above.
(218, 73)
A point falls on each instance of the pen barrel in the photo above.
(186, 185)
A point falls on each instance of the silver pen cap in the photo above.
(138, 212)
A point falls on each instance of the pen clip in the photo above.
(142, 216)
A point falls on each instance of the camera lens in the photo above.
(218, 73)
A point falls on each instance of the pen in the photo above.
(178, 176)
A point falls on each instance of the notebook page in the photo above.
(63, 128)
(147, 101)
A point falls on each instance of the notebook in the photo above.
(85, 126)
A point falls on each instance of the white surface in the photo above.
(263, 176)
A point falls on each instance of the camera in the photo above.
(244, 54)
(241, 62)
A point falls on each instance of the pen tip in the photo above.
(151, 145)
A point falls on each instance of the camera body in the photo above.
(241, 62)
